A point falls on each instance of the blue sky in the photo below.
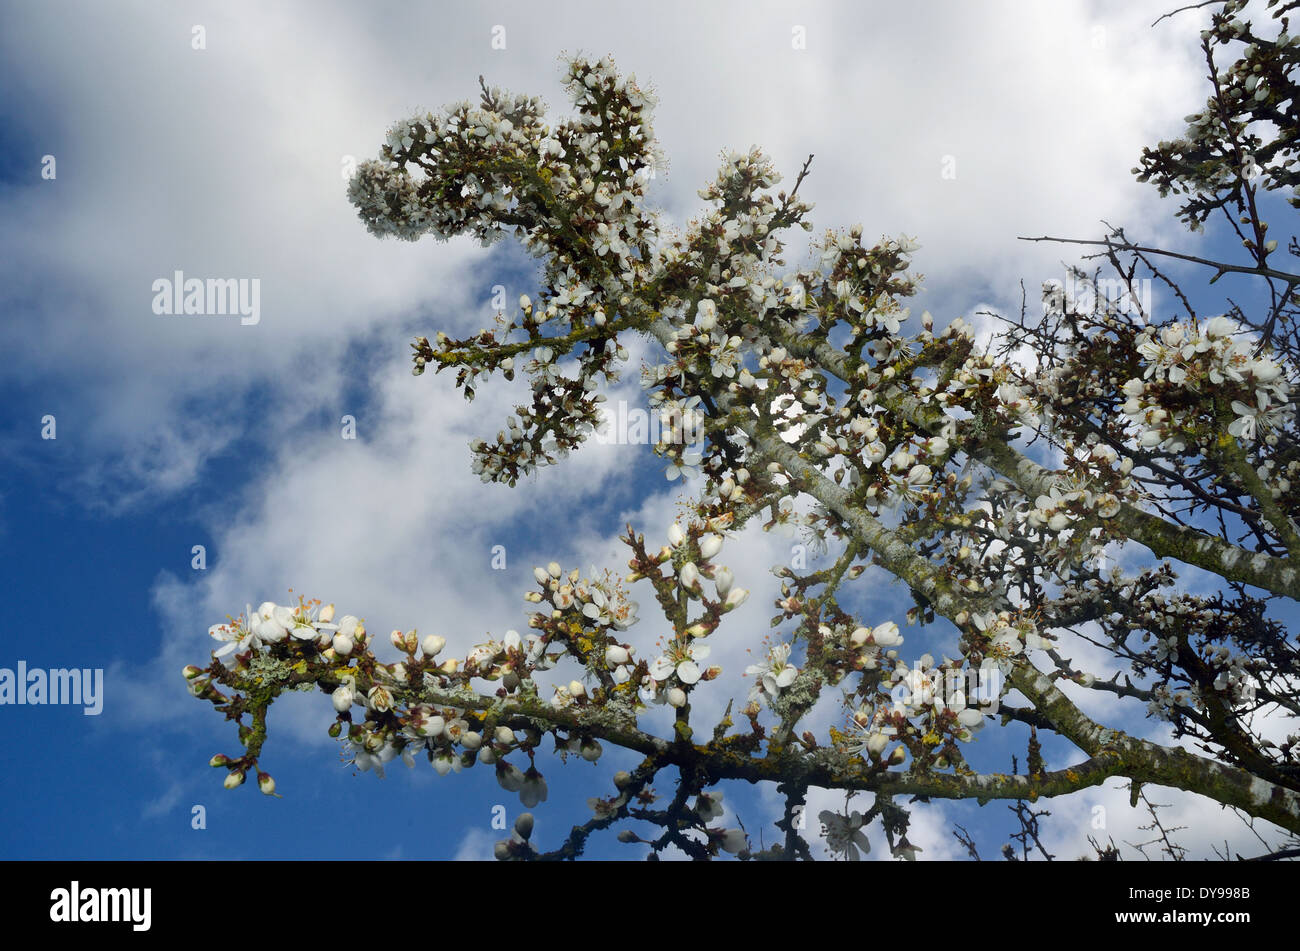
(173, 432)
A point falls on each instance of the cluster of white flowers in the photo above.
(529, 784)
(1233, 677)
(1008, 636)
(599, 604)
(564, 411)
(597, 161)
(1280, 477)
(590, 172)
(1171, 623)
(1165, 702)
(678, 668)
(875, 644)
(984, 382)
(1211, 360)
(927, 688)
(1062, 507)
(774, 673)
(872, 730)
(272, 623)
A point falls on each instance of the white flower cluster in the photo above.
(496, 167)
(1166, 702)
(678, 668)
(774, 673)
(598, 604)
(875, 644)
(1008, 635)
(420, 184)
(497, 660)
(1212, 361)
(564, 410)
(982, 380)
(862, 271)
(1171, 623)
(1061, 507)
(272, 623)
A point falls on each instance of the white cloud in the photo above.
(476, 846)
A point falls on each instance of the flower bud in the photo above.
(576, 689)
(505, 736)
(675, 534)
(342, 645)
(501, 851)
(342, 698)
(471, 740)
(622, 778)
(735, 598)
(433, 645)
(733, 840)
(190, 672)
(710, 545)
(919, 474)
(887, 635)
(524, 825)
(234, 778)
(676, 697)
(266, 783)
(221, 759)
